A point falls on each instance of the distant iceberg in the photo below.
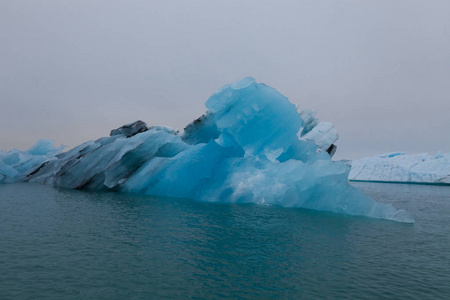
(251, 146)
(15, 165)
(400, 167)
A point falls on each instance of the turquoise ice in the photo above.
(15, 165)
(251, 146)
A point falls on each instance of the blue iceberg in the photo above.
(251, 146)
(401, 167)
(15, 165)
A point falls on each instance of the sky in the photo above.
(71, 71)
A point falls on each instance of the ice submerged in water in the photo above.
(251, 146)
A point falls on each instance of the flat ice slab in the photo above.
(400, 167)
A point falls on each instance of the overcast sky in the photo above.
(73, 70)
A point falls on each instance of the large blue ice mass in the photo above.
(251, 146)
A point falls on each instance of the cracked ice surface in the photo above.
(400, 167)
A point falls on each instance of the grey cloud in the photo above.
(74, 70)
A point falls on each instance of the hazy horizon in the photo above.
(72, 71)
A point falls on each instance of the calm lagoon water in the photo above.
(65, 244)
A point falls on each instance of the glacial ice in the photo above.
(400, 167)
(15, 164)
(251, 146)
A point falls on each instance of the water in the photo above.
(65, 244)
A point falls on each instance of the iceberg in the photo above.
(400, 167)
(15, 165)
(251, 146)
